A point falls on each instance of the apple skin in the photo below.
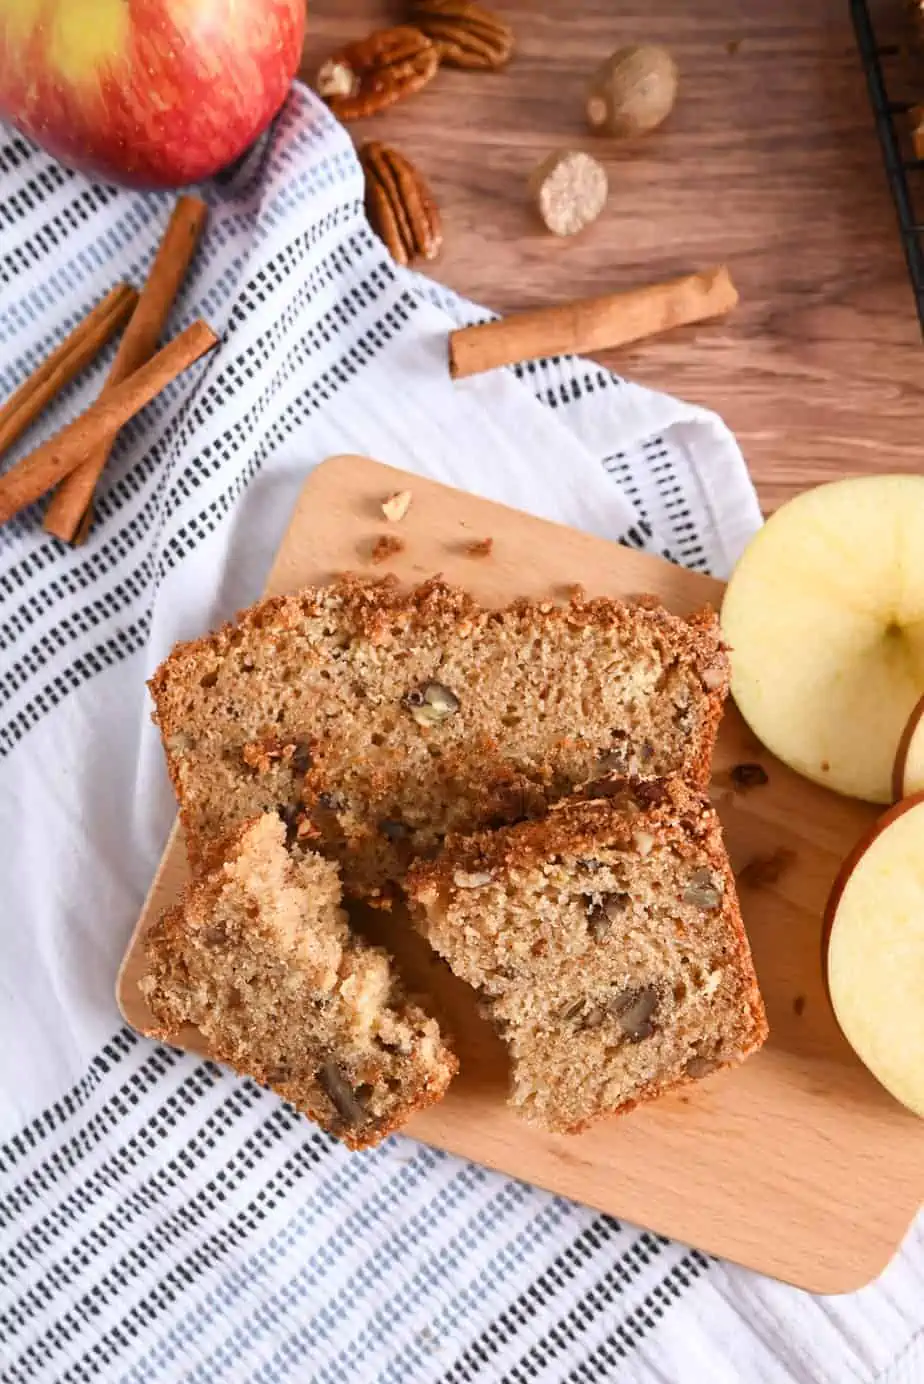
(901, 754)
(850, 863)
(880, 825)
(151, 93)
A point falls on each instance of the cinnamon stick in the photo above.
(65, 362)
(69, 512)
(63, 453)
(592, 324)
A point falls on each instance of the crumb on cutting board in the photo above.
(386, 546)
(765, 870)
(397, 505)
(747, 776)
(480, 547)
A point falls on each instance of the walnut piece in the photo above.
(431, 703)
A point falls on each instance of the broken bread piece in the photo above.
(259, 957)
(378, 719)
(607, 944)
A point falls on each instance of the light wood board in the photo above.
(799, 1164)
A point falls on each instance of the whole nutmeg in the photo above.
(632, 92)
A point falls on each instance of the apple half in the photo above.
(908, 774)
(874, 929)
(824, 614)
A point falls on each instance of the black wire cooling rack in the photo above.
(882, 62)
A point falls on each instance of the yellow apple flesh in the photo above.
(825, 617)
(875, 952)
(908, 775)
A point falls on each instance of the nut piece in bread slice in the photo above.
(259, 957)
(607, 944)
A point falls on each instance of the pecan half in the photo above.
(399, 204)
(466, 34)
(364, 77)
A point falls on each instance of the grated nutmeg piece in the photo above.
(397, 505)
(569, 189)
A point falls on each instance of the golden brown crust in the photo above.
(381, 610)
(595, 814)
(482, 768)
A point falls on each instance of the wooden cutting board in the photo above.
(799, 1164)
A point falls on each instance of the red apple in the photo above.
(153, 93)
(874, 940)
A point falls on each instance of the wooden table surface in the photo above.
(769, 162)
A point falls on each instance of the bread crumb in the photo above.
(746, 776)
(397, 505)
(262, 911)
(798, 1006)
(576, 593)
(733, 45)
(765, 870)
(646, 599)
(388, 545)
(481, 547)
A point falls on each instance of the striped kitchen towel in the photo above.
(161, 1220)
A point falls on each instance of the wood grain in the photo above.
(769, 163)
(799, 1164)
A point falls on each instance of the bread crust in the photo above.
(386, 620)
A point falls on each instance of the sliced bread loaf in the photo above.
(259, 957)
(607, 943)
(377, 720)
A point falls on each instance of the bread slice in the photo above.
(377, 720)
(607, 944)
(259, 957)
